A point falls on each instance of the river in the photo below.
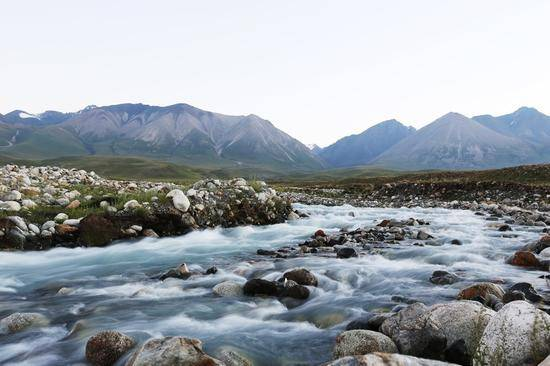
(112, 287)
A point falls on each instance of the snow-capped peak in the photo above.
(27, 115)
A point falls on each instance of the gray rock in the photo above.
(19, 321)
(105, 348)
(172, 351)
(60, 217)
(385, 359)
(228, 288)
(19, 222)
(232, 357)
(179, 200)
(464, 320)
(413, 333)
(10, 206)
(360, 342)
(519, 334)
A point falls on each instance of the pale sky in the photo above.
(319, 70)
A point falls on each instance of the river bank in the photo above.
(45, 207)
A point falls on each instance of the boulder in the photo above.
(346, 252)
(443, 278)
(172, 351)
(526, 289)
(360, 342)
(422, 235)
(228, 288)
(293, 290)
(260, 287)
(179, 200)
(105, 348)
(519, 334)
(301, 276)
(460, 320)
(385, 359)
(480, 290)
(96, 230)
(150, 233)
(415, 334)
(525, 259)
(19, 321)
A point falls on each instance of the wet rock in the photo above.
(211, 270)
(505, 228)
(481, 291)
(64, 229)
(294, 291)
(228, 288)
(361, 323)
(150, 233)
(385, 359)
(319, 233)
(460, 320)
(17, 322)
(525, 259)
(456, 242)
(526, 289)
(443, 278)
(346, 252)
(414, 334)
(232, 357)
(265, 252)
(510, 296)
(458, 353)
(181, 272)
(172, 351)
(105, 348)
(519, 334)
(301, 276)
(422, 235)
(360, 342)
(293, 216)
(260, 287)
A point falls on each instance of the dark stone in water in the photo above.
(105, 348)
(360, 323)
(376, 321)
(265, 252)
(346, 252)
(298, 292)
(211, 270)
(302, 277)
(458, 353)
(527, 290)
(258, 286)
(456, 242)
(510, 296)
(505, 228)
(320, 233)
(443, 278)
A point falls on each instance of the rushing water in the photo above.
(113, 289)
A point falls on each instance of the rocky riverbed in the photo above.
(436, 283)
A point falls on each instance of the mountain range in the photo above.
(178, 133)
(187, 135)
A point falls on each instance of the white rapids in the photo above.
(111, 288)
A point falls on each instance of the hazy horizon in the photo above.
(307, 67)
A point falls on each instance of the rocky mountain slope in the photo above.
(178, 133)
(457, 142)
(527, 124)
(361, 149)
